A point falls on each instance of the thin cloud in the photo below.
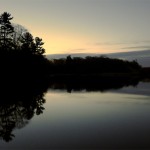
(137, 47)
(109, 43)
(119, 43)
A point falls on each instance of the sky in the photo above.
(84, 26)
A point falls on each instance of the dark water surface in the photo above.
(114, 119)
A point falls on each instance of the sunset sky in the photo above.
(84, 26)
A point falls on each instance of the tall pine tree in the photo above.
(6, 31)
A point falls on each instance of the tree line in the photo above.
(90, 65)
(19, 48)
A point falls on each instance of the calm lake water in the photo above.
(87, 120)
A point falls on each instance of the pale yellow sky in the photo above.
(84, 26)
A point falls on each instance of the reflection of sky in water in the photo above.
(88, 120)
(143, 88)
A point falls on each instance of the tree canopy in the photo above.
(17, 40)
(21, 55)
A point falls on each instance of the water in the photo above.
(86, 120)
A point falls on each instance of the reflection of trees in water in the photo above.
(23, 67)
(18, 106)
(25, 99)
(11, 117)
(92, 82)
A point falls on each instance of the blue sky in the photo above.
(84, 26)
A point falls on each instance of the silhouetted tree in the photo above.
(27, 42)
(19, 30)
(20, 52)
(38, 46)
(6, 31)
(16, 37)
